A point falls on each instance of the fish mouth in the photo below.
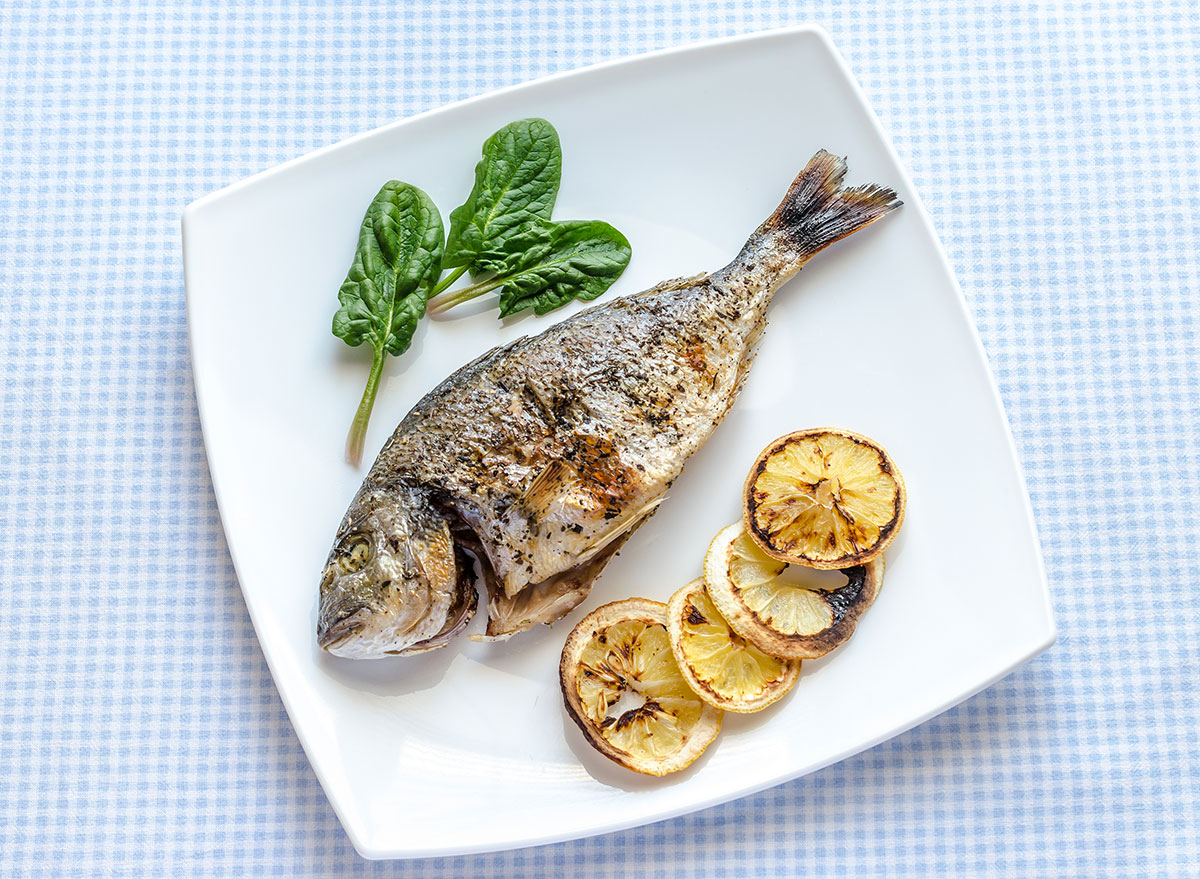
(342, 630)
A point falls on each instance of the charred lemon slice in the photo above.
(824, 498)
(722, 667)
(624, 690)
(781, 617)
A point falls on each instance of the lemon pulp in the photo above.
(725, 668)
(824, 498)
(634, 656)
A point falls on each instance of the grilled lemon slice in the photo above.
(719, 664)
(780, 618)
(624, 690)
(824, 498)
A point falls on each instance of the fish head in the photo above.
(390, 578)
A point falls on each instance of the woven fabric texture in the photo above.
(1054, 144)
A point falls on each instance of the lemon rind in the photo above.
(772, 694)
(701, 735)
(762, 634)
(887, 533)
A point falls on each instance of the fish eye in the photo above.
(356, 553)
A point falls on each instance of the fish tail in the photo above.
(816, 212)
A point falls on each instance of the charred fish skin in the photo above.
(542, 456)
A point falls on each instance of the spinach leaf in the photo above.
(516, 184)
(502, 235)
(383, 297)
(548, 265)
(580, 260)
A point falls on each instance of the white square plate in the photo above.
(468, 749)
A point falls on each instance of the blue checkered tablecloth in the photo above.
(1056, 147)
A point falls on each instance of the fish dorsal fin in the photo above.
(672, 284)
(590, 478)
(592, 490)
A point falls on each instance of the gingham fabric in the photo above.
(1056, 147)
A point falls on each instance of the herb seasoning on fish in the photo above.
(540, 458)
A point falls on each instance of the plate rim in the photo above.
(1041, 641)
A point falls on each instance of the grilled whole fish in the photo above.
(540, 458)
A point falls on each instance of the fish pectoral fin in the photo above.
(558, 483)
(591, 482)
(600, 534)
(556, 596)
